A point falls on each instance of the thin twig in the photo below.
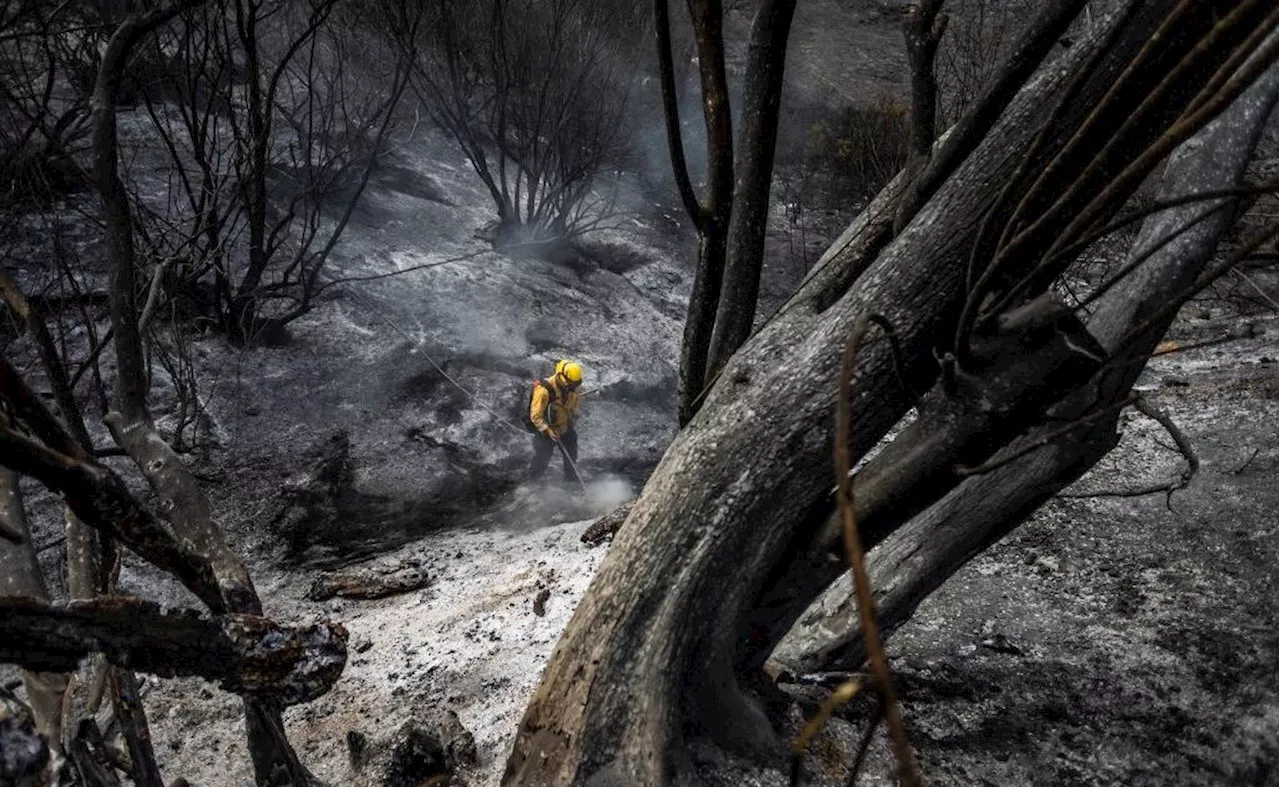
(93, 356)
(864, 745)
(853, 547)
(1168, 487)
(1179, 438)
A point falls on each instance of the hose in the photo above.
(572, 465)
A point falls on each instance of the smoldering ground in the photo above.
(554, 500)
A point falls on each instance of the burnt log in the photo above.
(244, 654)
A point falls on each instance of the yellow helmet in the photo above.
(560, 365)
(570, 370)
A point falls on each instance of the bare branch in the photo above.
(1184, 447)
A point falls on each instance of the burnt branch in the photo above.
(1184, 447)
(244, 654)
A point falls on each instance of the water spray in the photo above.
(572, 466)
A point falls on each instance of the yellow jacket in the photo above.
(553, 406)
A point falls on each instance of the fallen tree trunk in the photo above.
(244, 654)
(655, 647)
(917, 559)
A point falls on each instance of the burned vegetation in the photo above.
(279, 276)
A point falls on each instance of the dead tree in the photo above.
(669, 639)
(535, 94)
(732, 219)
(33, 442)
(1173, 249)
(281, 115)
(40, 131)
(199, 555)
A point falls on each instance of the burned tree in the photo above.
(187, 542)
(1173, 251)
(273, 117)
(223, 583)
(536, 96)
(668, 641)
(732, 218)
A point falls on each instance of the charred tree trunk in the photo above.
(917, 559)
(130, 423)
(922, 29)
(753, 175)
(656, 646)
(700, 319)
(710, 216)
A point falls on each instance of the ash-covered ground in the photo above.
(1110, 640)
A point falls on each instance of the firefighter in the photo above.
(553, 409)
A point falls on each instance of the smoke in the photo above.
(554, 500)
(608, 492)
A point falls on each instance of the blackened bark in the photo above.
(245, 654)
(131, 378)
(671, 111)
(700, 320)
(713, 216)
(916, 560)
(810, 568)
(652, 648)
(923, 28)
(134, 727)
(753, 176)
